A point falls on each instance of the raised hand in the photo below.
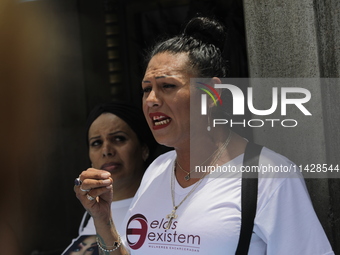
(93, 188)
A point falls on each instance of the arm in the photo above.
(107, 236)
(95, 194)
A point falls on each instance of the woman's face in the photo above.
(114, 147)
(166, 98)
(86, 247)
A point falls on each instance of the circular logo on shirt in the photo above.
(136, 231)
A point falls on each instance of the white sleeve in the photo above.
(287, 222)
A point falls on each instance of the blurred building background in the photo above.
(62, 57)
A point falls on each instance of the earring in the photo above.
(209, 128)
(145, 156)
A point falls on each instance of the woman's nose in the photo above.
(153, 99)
(108, 151)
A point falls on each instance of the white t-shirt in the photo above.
(118, 208)
(208, 221)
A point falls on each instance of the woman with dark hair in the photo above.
(120, 144)
(178, 210)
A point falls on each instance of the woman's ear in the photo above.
(145, 152)
(214, 80)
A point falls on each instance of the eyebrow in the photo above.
(110, 134)
(158, 77)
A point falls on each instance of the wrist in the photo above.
(105, 224)
(108, 248)
(102, 216)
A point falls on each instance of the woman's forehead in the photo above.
(168, 62)
(108, 121)
(165, 65)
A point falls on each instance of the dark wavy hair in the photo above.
(203, 39)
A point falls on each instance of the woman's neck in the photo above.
(199, 151)
(209, 149)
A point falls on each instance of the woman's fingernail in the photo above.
(108, 181)
(105, 175)
(109, 187)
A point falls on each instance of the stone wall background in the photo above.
(301, 39)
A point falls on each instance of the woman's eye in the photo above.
(167, 86)
(146, 90)
(96, 143)
(120, 138)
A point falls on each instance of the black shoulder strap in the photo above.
(248, 197)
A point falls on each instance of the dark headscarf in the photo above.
(132, 115)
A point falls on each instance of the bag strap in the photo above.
(248, 197)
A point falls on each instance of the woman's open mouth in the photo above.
(159, 120)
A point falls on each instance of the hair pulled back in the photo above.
(203, 39)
